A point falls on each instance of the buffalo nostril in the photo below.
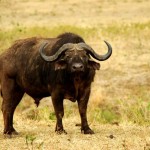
(81, 67)
(77, 66)
(74, 67)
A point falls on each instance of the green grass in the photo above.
(19, 32)
(130, 30)
(137, 112)
(133, 111)
(133, 31)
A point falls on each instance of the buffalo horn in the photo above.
(94, 54)
(57, 54)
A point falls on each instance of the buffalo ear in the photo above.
(61, 64)
(94, 65)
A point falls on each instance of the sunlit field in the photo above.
(119, 105)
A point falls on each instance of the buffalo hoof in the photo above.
(62, 131)
(15, 132)
(9, 134)
(87, 131)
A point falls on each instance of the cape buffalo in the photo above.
(59, 67)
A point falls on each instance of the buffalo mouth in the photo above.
(77, 76)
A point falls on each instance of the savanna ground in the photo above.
(119, 106)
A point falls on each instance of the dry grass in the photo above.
(119, 107)
(42, 136)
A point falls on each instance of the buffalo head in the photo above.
(75, 57)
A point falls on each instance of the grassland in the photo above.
(119, 106)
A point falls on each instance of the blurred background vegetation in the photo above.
(120, 92)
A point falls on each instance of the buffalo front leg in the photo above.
(82, 104)
(59, 112)
(11, 97)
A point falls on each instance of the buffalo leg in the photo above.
(82, 104)
(11, 98)
(59, 112)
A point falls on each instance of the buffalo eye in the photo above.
(61, 64)
(67, 57)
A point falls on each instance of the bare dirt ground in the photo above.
(125, 76)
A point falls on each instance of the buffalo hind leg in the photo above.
(59, 112)
(11, 98)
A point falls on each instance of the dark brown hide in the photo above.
(22, 70)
